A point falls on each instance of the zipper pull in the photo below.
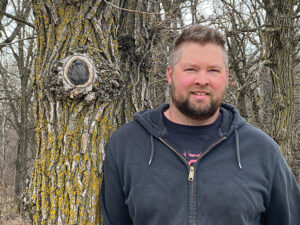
(191, 174)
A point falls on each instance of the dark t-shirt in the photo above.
(191, 141)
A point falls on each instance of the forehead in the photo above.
(190, 45)
(193, 52)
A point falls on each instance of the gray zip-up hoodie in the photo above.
(241, 179)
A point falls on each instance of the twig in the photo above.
(20, 20)
(132, 10)
(23, 39)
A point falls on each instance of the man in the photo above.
(196, 161)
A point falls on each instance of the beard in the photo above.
(196, 111)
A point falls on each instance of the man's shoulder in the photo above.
(257, 132)
(126, 129)
(149, 121)
(256, 136)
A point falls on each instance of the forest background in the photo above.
(53, 131)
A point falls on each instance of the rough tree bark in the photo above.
(296, 153)
(75, 117)
(279, 53)
(296, 157)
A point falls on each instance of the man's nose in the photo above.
(202, 78)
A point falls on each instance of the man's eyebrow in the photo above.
(197, 66)
(191, 65)
(214, 66)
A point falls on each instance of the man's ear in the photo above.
(169, 75)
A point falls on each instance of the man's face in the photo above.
(198, 80)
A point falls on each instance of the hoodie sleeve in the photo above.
(284, 203)
(114, 209)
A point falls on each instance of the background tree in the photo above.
(280, 45)
(16, 49)
(296, 61)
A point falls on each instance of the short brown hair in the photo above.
(199, 34)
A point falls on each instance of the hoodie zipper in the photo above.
(192, 168)
(173, 149)
(191, 175)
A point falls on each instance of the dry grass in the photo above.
(9, 213)
(10, 216)
(14, 220)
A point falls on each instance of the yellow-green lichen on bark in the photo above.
(72, 130)
(71, 133)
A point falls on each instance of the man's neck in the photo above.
(174, 115)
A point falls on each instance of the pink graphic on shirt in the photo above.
(191, 158)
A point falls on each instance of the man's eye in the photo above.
(214, 70)
(190, 69)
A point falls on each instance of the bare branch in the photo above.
(132, 10)
(20, 20)
(17, 29)
(23, 39)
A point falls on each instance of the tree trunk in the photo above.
(22, 123)
(3, 135)
(76, 112)
(279, 53)
(296, 152)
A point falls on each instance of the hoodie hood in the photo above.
(152, 120)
